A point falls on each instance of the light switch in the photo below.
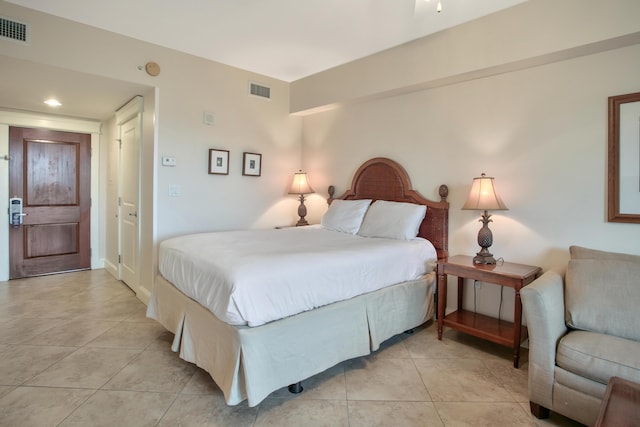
(207, 118)
(168, 161)
(174, 190)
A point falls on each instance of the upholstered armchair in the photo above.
(584, 328)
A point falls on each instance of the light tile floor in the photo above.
(77, 350)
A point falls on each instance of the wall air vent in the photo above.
(14, 30)
(260, 91)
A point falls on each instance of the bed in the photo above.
(251, 355)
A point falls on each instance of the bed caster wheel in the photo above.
(296, 388)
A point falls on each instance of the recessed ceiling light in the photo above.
(52, 102)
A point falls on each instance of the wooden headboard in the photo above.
(384, 179)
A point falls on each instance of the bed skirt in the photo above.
(252, 362)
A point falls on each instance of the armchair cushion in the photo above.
(598, 356)
(603, 296)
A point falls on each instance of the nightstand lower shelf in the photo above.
(485, 327)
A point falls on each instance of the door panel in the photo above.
(51, 172)
(129, 190)
(51, 239)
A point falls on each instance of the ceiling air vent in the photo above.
(260, 91)
(13, 30)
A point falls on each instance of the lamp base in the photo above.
(485, 240)
(484, 259)
(302, 212)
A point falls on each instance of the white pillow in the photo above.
(393, 220)
(345, 215)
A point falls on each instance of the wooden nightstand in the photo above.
(515, 276)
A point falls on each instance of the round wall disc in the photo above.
(152, 69)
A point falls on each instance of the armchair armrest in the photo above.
(543, 305)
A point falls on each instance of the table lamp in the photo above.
(483, 197)
(300, 186)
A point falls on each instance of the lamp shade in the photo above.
(483, 196)
(300, 184)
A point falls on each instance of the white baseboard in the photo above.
(111, 269)
(144, 295)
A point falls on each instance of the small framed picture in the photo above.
(251, 164)
(218, 162)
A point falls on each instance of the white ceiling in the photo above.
(25, 85)
(283, 39)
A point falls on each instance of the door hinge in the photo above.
(119, 201)
(119, 259)
(6, 157)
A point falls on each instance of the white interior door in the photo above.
(130, 137)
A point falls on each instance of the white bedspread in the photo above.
(257, 276)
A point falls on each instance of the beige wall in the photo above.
(186, 87)
(540, 130)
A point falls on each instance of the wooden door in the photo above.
(129, 191)
(51, 172)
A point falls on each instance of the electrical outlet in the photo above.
(477, 284)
